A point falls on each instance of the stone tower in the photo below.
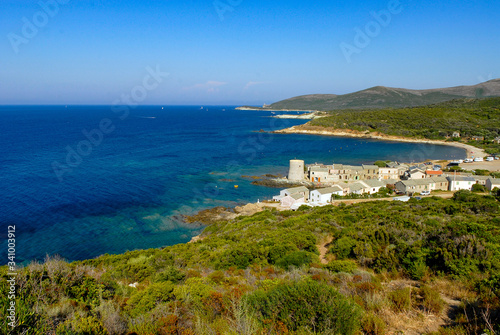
(296, 172)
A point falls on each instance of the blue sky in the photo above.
(239, 51)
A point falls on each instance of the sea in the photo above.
(82, 181)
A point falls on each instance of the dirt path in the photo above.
(323, 249)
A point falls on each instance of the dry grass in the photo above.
(453, 289)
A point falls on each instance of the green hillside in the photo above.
(387, 97)
(470, 117)
(387, 261)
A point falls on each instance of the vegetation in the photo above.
(385, 267)
(470, 117)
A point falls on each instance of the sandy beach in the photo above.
(315, 130)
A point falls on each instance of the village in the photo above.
(334, 181)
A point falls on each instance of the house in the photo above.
(477, 138)
(496, 140)
(441, 183)
(301, 190)
(415, 185)
(481, 180)
(292, 201)
(416, 174)
(323, 196)
(433, 173)
(386, 173)
(402, 168)
(492, 183)
(347, 172)
(318, 173)
(373, 185)
(455, 134)
(460, 183)
(356, 172)
(358, 188)
(370, 172)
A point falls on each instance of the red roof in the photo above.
(435, 173)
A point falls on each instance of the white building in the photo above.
(323, 196)
(358, 188)
(386, 173)
(416, 174)
(481, 180)
(302, 190)
(460, 183)
(491, 183)
(373, 185)
(413, 186)
(292, 201)
(319, 173)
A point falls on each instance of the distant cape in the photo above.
(386, 97)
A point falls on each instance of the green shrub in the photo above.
(343, 247)
(341, 266)
(431, 300)
(400, 299)
(279, 251)
(373, 325)
(296, 259)
(86, 290)
(171, 274)
(82, 325)
(478, 188)
(306, 305)
(143, 301)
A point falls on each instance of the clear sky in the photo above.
(239, 51)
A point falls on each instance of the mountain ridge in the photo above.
(387, 97)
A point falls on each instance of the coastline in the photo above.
(248, 108)
(470, 150)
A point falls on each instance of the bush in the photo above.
(171, 274)
(143, 301)
(306, 305)
(373, 325)
(431, 300)
(341, 266)
(478, 188)
(296, 259)
(279, 251)
(343, 247)
(81, 325)
(400, 299)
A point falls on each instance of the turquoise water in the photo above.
(81, 196)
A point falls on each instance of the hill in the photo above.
(468, 117)
(371, 268)
(388, 97)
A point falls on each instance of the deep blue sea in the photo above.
(81, 181)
